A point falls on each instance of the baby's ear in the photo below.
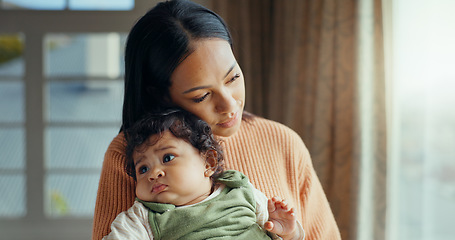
(211, 162)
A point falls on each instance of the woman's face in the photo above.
(209, 83)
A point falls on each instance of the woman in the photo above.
(180, 54)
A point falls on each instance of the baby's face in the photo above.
(171, 171)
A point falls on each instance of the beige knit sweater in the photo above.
(272, 156)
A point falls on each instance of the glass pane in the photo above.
(71, 195)
(34, 4)
(77, 147)
(11, 55)
(84, 55)
(12, 202)
(90, 101)
(101, 4)
(423, 84)
(12, 147)
(11, 101)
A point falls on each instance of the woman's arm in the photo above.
(318, 219)
(116, 190)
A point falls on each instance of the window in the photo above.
(68, 4)
(12, 135)
(83, 99)
(61, 90)
(423, 139)
(81, 112)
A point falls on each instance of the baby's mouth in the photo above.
(159, 188)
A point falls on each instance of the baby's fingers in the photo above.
(283, 205)
(271, 205)
(268, 226)
(278, 203)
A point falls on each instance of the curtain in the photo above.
(317, 67)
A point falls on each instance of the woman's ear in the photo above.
(210, 163)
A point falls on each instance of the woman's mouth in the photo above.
(229, 122)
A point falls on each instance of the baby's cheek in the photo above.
(140, 192)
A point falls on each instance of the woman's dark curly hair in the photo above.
(181, 124)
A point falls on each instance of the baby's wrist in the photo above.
(297, 234)
(291, 236)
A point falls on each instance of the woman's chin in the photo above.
(226, 132)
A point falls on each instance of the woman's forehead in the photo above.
(211, 58)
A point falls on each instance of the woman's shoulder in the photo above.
(264, 132)
(268, 127)
(271, 140)
(264, 121)
(117, 145)
(114, 156)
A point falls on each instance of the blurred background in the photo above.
(368, 85)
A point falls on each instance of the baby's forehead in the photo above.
(165, 136)
(161, 140)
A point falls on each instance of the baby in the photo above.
(183, 191)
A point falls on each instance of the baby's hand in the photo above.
(282, 220)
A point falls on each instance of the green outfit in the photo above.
(230, 215)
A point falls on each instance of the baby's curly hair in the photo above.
(181, 124)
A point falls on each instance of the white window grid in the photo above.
(34, 25)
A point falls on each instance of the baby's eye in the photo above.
(168, 158)
(143, 170)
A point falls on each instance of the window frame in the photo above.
(35, 224)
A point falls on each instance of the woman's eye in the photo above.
(168, 158)
(235, 77)
(198, 100)
(143, 170)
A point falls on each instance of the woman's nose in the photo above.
(226, 103)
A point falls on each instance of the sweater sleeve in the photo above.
(318, 219)
(116, 190)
